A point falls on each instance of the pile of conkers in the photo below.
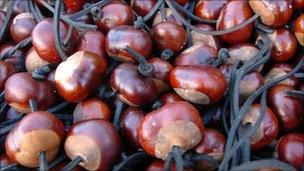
(152, 85)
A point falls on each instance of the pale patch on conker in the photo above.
(243, 53)
(266, 14)
(198, 38)
(193, 96)
(161, 86)
(86, 148)
(250, 118)
(35, 142)
(276, 73)
(20, 108)
(246, 89)
(25, 15)
(125, 100)
(183, 134)
(169, 13)
(33, 61)
(300, 37)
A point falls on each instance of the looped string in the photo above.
(96, 13)
(144, 67)
(223, 55)
(166, 54)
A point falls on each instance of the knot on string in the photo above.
(96, 13)
(223, 55)
(145, 69)
(39, 73)
(166, 54)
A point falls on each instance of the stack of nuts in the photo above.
(103, 84)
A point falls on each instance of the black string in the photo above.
(163, 12)
(38, 16)
(41, 72)
(9, 167)
(175, 155)
(43, 165)
(66, 19)
(144, 67)
(188, 29)
(131, 161)
(117, 114)
(7, 19)
(214, 33)
(57, 161)
(262, 164)
(230, 152)
(72, 164)
(58, 41)
(33, 105)
(58, 107)
(295, 93)
(153, 10)
(223, 55)
(88, 9)
(22, 44)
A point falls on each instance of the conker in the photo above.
(96, 142)
(92, 109)
(198, 84)
(37, 132)
(80, 75)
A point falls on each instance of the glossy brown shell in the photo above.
(93, 41)
(120, 36)
(115, 14)
(167, 114)
(283, 45)
(79, 76)
(104, 135)
(44, 43)
(131, 87)
(129, 124)
(141, 7)
(36, 121)
(234, 13)
(273, 13)
(209, 9)
(206, 80)
(22, 26)
(6, 70)
(18, 96)
(92, 109)
(290, 149)
(299, 29)
(169, 35)
(288, 109)
(196, 55)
